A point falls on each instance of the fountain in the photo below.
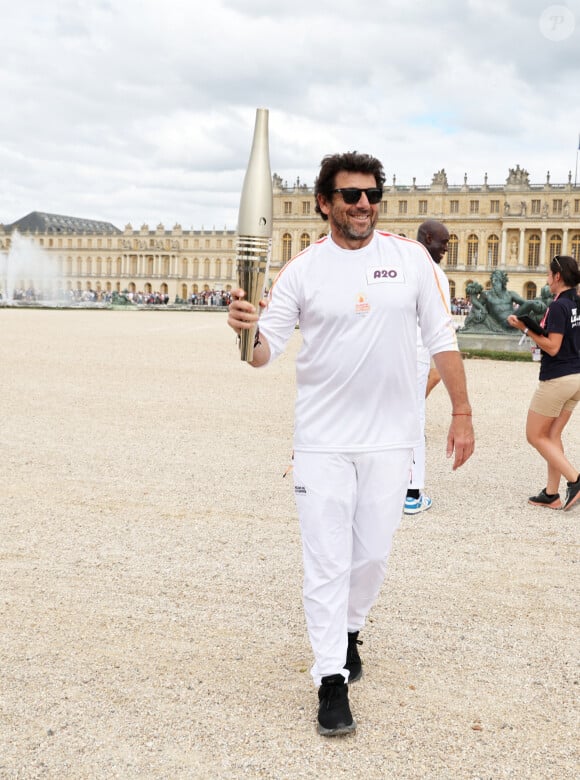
(28, 274)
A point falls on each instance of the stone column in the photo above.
(565, 241)
(503, 250)
(543, 247)
(522, 246)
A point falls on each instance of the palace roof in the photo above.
(40, 222)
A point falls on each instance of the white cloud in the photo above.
(143, 110)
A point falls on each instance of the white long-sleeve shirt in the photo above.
(423, 355)
(357, 311)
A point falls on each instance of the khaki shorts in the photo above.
(554, 395)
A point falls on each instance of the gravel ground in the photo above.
(150, 585)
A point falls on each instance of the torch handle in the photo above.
(253, 263)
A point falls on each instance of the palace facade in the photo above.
(516, 226)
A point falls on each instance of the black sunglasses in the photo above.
(556, 259)
(351, 195)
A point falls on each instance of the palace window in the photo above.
(422, 207)
(555, 245)
(494, 207)
(472, 249)
(536, 206)
(287, 207)
(557, 206)
(383, 207)
(304, 241)
(575, 247)
(577, 206)
(530, 291)
(454, 207)
(452, 248)
(474, 207)
(305, 207)
(286, 247)
(492, 250)
(534, 251)
(402, 207)
(451, 289)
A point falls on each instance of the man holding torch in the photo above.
(356, 295)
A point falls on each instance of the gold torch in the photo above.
(255, 226)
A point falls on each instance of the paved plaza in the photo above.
(150, 579)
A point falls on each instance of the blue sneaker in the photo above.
(415, 505)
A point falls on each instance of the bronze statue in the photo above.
(491, 308)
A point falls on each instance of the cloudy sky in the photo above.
(142, 111)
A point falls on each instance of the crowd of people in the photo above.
(460, 306)
(204, 298)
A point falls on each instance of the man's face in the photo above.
(351, 225)
(438, 245)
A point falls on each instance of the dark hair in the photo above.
(567, 267)
(353, 162)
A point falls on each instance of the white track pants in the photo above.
(349, 506)
(417, 480)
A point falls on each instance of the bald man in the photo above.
(435, 238)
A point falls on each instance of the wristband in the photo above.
(461, 414)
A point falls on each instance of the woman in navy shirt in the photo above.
(559, 390)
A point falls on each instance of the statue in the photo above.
(536, 308)
(121, 299)
(518, 177)
(440, 178)
(491, 308)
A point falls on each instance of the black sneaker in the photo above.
(334, 715)
(353, 662)
(549, 500)
(572, 494)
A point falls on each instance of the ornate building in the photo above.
(516, 226)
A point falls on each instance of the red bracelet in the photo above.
(461, 414)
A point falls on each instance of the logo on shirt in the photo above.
(391, 274)
(300, 489)
(575, 318)
(362, 306)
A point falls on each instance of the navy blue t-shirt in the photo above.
(563, 317)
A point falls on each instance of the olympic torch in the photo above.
(255, 225)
